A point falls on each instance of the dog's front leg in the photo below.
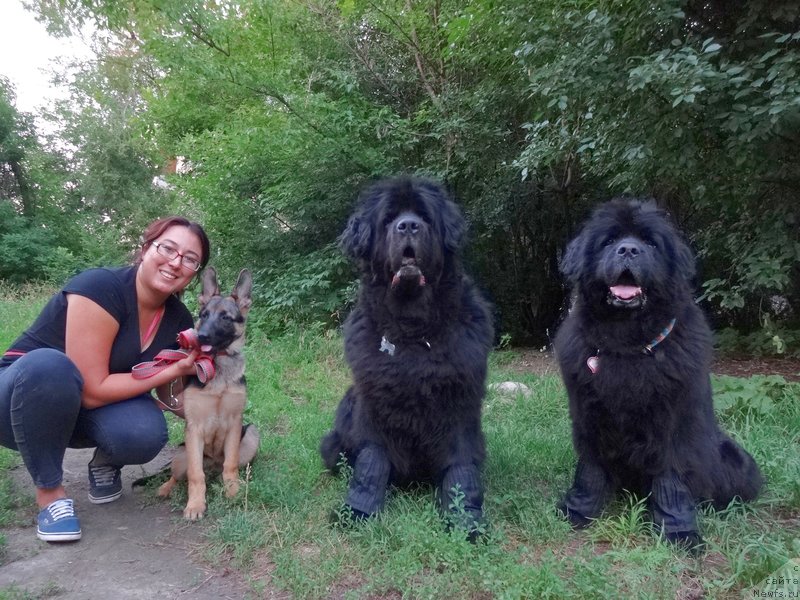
(588, 496)
(461, 498)
(370, 477)
(196, 506)
(673, 509)
(230, 464)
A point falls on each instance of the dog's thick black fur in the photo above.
(643, 419)
(417, 343)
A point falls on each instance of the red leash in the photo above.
(187, 340)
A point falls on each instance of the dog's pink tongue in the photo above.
(206, 348)
(626, 292)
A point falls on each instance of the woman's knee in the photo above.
(48, 374)
(137, 437)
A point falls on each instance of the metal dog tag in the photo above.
(387, 346)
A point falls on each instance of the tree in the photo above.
(530, 112)
(16, 138)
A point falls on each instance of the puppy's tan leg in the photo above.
(230, 465)
(248, 447)
(178, 468)
(196, 505)
(166, 488)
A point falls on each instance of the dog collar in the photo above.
(593, 362)
(660, 337)
(389, 348)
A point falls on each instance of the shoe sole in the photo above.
(104, 499)
(58, 537)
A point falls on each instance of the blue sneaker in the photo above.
(58, 523)
(105, 482)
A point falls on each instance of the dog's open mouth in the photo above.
(409, 273)
(626, 292)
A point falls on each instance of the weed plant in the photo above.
(277, 531)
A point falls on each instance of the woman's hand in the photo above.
(186, 366)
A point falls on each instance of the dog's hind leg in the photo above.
(736, 475)
(332, 446)
(178, 472)
(248, 447)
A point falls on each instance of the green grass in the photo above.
(276, 531)
(18, 308)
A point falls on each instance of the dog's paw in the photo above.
(166, 488)
(346, 516)
(691, 541)
(231, 487)
(576, 519)
(194, 511)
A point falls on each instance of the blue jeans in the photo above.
(41, 416)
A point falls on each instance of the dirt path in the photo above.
(134, 548)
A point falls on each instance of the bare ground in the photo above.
(542, 363)
(133, 548)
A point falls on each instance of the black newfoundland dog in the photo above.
(634, 352)
(417, 343)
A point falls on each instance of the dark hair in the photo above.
(154, 230)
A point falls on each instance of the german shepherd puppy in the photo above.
(214, 436)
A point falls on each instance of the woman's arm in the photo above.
(90, 334)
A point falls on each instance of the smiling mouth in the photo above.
(625, 292)
(409, 272)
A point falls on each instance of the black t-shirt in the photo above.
(114, 289)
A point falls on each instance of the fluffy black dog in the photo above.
(417, 342)
(634, 353)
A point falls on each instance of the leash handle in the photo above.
(188, 341)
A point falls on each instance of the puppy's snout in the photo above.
(629, 248)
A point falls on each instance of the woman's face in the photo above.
(170, 275)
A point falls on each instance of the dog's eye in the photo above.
(203, 314)
(608, 241)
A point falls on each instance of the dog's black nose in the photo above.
(408, 225)
(630, 248)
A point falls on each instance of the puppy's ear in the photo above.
(356, 239)
(243, 290)
(571, 263)
(210, 287)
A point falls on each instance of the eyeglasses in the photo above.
(170, 253)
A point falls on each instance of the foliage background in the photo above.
(530, 112)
